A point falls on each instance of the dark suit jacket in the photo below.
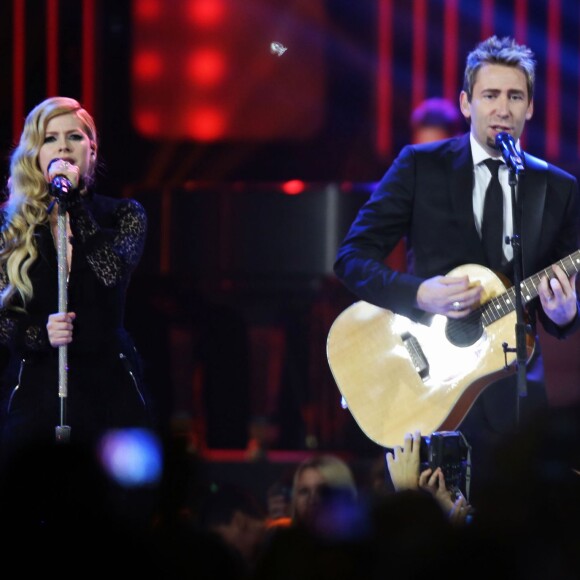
(426, 195)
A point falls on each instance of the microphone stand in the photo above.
(520, 328)
(62, 431)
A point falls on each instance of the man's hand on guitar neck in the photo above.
(558, 296)
(452, 296)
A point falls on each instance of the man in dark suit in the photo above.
(434, 195)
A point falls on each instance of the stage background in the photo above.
(251, 166)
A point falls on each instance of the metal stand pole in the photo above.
(62, 431)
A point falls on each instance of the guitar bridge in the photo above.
(416, 353)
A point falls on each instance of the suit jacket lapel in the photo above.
(532, 187)
(460, 166)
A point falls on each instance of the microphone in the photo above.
(505, 143)
(60, 184)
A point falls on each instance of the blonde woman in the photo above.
(321, 481)
(105, 238)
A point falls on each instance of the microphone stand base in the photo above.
(62, 433)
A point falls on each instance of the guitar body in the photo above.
(398, 376)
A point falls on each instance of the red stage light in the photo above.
(218, 53)
(147, 66)
(206, 67)
(147, 122)
(206, 12)
(293, 187)
(206, 123)
(146, 9)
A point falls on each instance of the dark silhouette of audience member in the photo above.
(182, 548)
(64, 509)
(335, 535)
(279, 500)
(60, 511)
(237, 518)
(527, 515)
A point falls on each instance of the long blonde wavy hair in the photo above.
(29, 197)
(336, 473)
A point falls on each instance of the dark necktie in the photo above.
(492, 224)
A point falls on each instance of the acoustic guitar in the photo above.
(397, 376)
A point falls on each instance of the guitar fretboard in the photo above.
(505, 303)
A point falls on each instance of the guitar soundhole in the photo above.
(464, 331)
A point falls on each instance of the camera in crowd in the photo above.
(450, 451)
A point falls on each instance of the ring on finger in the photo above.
(457, 306)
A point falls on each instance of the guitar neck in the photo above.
(502, 305)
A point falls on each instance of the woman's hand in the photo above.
(66, 169)
(60, 328)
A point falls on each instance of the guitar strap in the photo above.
(532, 188)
